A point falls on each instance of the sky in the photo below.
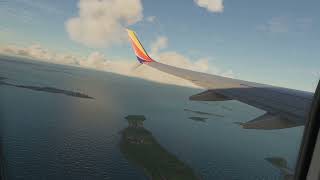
(273, 42)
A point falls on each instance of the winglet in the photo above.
(138, 49)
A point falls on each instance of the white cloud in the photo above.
(102, 22)
(179, 60)
(160, 43)
(99, 61)
(215, 6)
(159, 52)
(95, 60)
(284, 24)
(229, 73)
(37, 52)
(316, 74)
(4, 32)
(275, 25)
(151, 19)
(174, 58)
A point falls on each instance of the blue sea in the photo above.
(47, 135)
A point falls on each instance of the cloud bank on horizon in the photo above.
(99, 61)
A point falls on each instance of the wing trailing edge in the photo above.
(209, 95)
(267, 122)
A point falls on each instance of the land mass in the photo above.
(203, 113)
(46, 89)
(199, 119)
(141, 148)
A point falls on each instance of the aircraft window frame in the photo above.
(309, 140)
(314, 170)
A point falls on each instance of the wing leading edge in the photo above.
(284, 107)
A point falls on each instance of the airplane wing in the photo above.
(284, 107)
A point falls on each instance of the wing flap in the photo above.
(209, 95)
(268, 121)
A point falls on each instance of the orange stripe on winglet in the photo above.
(138, 52)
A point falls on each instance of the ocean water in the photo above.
(46, 135)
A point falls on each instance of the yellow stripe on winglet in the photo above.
(134, 38)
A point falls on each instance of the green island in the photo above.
(46, 89)
(199, 119)
(141, 148)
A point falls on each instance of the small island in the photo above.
(141, 148)
(203, 113)
(281, 164)
(198, 119)
(46, 89)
